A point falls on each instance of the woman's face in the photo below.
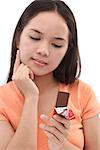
(44, 42)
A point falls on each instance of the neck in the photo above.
(45, 82)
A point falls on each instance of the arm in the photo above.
(6, 134)
(92, 133)
(26, 133)
(25, 136)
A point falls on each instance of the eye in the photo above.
(34, 38)
(57, 46)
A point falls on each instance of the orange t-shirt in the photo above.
(82, 102)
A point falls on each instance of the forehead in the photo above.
(49, 22)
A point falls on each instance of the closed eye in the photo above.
(34, 38)
(57, 46)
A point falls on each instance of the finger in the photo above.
(61, 119)
(45, 119)
(24, 69)
(53, 131)
(17, 61)
(65, 122)
(31, 74)
(67, 125)
(20, 68)
(53, 122)
(51, 137)
(21, 73)
(58, 125)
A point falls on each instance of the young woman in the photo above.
(45, 61)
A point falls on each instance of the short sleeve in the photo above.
(91, 106)
(2, 112)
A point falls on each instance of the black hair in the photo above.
(70, 67)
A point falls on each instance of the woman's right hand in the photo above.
(23, 78)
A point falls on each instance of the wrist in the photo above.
(32, 97)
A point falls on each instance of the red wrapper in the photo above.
(61, 107)
(65, 112)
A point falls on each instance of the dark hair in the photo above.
(70, 67)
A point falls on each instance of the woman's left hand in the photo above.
(57, 130)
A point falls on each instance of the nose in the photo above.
(43, 49)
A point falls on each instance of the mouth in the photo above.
(39, 62)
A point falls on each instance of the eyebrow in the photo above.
(59, 38)
(56, 38)
(36, 31)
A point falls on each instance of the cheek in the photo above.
(57, 58)
(24, 54)
(25, 51)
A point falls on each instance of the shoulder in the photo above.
(9, 91)
(11, 101)
(83, 98)
(81, 92)
(86, 97)
(78, 87)
(5, 89)
(82, 88)
(84, 91)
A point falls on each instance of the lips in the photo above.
(39, 61)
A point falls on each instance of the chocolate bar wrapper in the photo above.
(64, 112)
(61, 107)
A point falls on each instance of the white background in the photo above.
(88, 23)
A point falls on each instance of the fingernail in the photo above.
(42, 126)
(17, 51)
(44, 116)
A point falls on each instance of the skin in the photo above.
(39, 40)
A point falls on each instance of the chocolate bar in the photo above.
(62, 99)
(61, 107)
